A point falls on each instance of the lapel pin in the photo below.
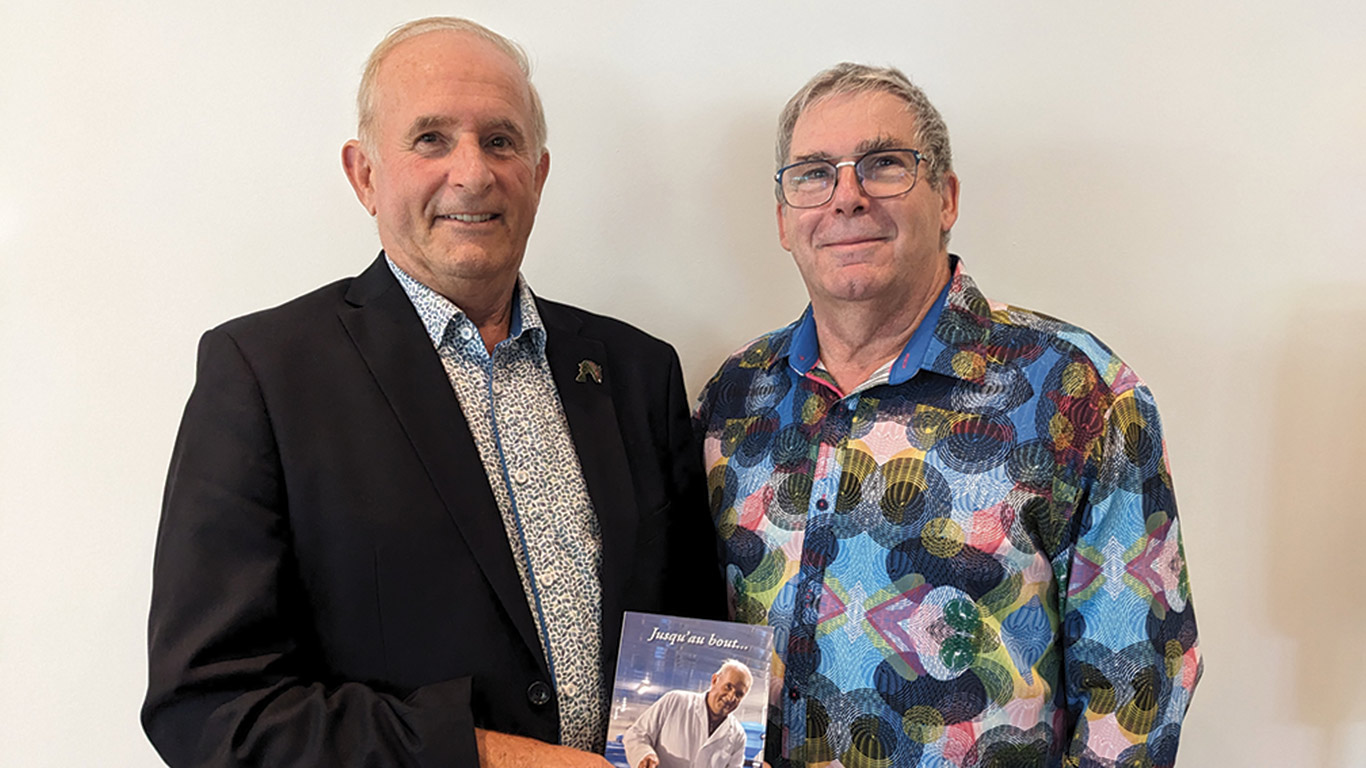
(589, 370)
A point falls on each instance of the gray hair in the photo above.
(932, 135)
(738, 666)
(365, 96)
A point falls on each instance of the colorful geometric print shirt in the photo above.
(972, 560)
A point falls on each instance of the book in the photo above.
(668, 668)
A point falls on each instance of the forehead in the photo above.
(843, 124)
(444, 71)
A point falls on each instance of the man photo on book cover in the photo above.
(693, 729)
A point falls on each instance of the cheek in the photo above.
(415, 188)
(796, 231)
(523, 186)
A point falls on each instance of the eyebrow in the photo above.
(425, 123)
(882, 141)
(506, 126)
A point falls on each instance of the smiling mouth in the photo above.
(853, 241)
(469, 218)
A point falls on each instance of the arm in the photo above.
(639, 739)
(1131, 656)
(695, 574)
(502, 750)
(235, 678)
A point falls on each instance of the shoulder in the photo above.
(309, 336)
(677, 696)
(671, 700)
(753, 365)
(978, 332)
(756, 357)
(759, 353)
(294, 317)
(1078, 346)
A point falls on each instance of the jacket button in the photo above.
(538, 693)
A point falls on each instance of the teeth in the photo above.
(470, 218)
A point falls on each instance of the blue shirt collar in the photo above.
(805, 349)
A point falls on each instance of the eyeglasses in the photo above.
(880, 173)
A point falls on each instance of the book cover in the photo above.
(689, 692)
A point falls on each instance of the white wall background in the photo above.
(1185, 179)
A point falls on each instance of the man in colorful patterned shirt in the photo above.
(956, 514)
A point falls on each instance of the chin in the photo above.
(854, 292)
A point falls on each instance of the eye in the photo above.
(814, 173)
(501, 143)
(889, 160)
(430, 142)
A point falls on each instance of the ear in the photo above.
(948, 201)
(360, 172)
(542, 170)
(782, 229)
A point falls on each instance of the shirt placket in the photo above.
(548, 560)
(518, 459)
(802, 652)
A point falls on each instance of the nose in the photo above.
(849, 197)
(469, 167)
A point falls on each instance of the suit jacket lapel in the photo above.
(396, 348)
(593, 425)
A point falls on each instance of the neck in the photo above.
(485, 300)
(858, 337)
(493, 319)
(487, 305)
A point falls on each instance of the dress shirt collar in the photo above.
(804, 352)
(438, 312)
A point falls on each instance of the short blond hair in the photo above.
(366, 96)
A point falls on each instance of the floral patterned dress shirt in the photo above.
(520, 430)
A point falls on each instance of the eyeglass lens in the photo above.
(884, 173)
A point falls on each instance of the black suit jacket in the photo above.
(333, 585)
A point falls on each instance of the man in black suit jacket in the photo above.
(334, 582)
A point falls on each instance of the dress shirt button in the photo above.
(792, 694)
(547, 577)
(822, 504)
(466, 332)
(538, 693)
(520, 476)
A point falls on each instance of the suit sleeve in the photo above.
(233, 679)
(1131, 656)
(695, 574)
